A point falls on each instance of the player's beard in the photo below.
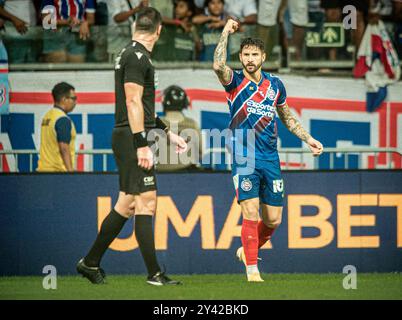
(251, 68)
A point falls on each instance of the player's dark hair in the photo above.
(61, 90)
(252, 42)
(148, 20)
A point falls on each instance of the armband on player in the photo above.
(161, 125)
(139, 140)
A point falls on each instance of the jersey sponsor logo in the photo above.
(246, 184)
(277, 186)
(149, 181)
(260, 109)
(139, 55)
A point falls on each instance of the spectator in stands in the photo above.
(21, 36)
(397, 16)
(97, 48)
(210, 24)
(200, 6)
(57, 142)
(390, 12)
(333, 12)
(68, 43)
(245, 13)
(267, 22)
(165, 7)
(179, 40)
(121, 17)
(174, 102)
(267, 26)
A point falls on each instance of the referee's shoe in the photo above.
(94, 274)
(160, 279)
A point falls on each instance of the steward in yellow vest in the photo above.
(57, 142)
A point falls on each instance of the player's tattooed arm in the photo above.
(223, 72)
(293, 125)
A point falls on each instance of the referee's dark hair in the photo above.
(147, 20)
(61, 90)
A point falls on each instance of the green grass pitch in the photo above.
(214, 287)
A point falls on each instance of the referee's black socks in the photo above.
(145, 237)
(110, 229)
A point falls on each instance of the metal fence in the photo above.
(220, 159)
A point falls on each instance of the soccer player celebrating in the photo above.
(253, 97)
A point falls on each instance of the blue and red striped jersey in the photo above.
(71, 8)
(253, 106)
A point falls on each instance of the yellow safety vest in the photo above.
(50, 159)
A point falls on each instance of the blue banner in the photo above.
(330, 220)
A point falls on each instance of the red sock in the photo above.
(264, 233)
(249, 239)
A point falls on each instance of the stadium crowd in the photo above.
(96, 30)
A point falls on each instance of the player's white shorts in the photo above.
(268, 12)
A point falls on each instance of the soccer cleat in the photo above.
(254, 277)
(160, 279)
(94, 274)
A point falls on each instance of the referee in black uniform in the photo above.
(134, 118)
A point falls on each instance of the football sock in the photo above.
(264, 233)
(252, 269)
(109, 230)
(145, 237)
(249, 239)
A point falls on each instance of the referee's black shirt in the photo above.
(133, 65)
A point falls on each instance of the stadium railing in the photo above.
(291, 159)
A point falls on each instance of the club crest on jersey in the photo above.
(246, 184)
(271, 94)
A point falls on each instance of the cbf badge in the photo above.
(246, 184)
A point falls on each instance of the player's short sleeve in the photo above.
(63, 130)
(135, 68)
(282, 93)
(233, 83)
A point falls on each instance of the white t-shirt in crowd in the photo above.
(117, 6)
(22, 9)
(240, 8)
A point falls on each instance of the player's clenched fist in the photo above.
(231, 26)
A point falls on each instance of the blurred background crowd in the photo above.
(96, 30)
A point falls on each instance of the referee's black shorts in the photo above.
(132, 178)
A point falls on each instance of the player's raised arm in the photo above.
(223, 72)
(294, 126)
